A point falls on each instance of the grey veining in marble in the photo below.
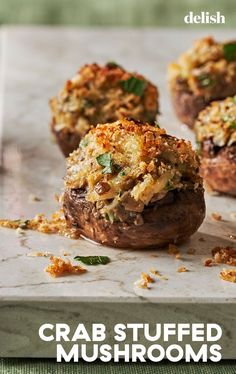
(36, 63)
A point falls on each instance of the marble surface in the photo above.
(35, 64)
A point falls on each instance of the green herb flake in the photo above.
(169, 186)
(93, 260)
(205, 80)
(229, 50)
(105, 160)
(83, 143)
(122, 173)
(232, 125)
(156, 124)
(113, 65)
(134, 85)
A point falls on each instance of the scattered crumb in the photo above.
(33, 198)
(191, 251)
(182, 269)
(39, 254)
(224, 255)
(56, 197)
(232, 237)
(201, 239)
(157, 274)
(216, 216)
(228, 275)
(19, 231)
(66, 253)
(154, 255)
(172, 249)
(60, 267)
(177, 256)
(55, 225)
(145, 280)
(208, 262)
(233, 216)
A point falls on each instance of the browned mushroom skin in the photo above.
(171, 220)
(218, 167)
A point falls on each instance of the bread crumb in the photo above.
(157, 274)
(172, 249)
(177, 256)
(39, 254)
(182, 269)
(201, 239)
(224, 255)
(145, 280)
(228, 275)
(208, 262)
(60, 267)
(216, 216)
(233, 216)
(33, 198)
(191, 251)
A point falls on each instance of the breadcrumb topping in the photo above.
(60, 267)
(56, 225)
(228, 275)
(145, 281)
(216, 216)
(96, 94)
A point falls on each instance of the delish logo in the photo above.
(204, 17)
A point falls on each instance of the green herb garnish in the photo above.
(134, 85)
(122, 173)
(112, 65)
(169, 186)
(106, 161)
(83, 143)
(232, 125)
(156, 124)
(230, 51)
(205, 80)
(93, 260)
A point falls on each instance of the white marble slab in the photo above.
(36, 63)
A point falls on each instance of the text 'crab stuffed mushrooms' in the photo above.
(216, 136)
(205, 73)
(100, 94)
(132, 185)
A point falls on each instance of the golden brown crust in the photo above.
(99, 94)
(162, 223)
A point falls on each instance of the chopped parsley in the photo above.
(232, 125)
(230, 51)
(156, 124)
(205, 80)
(93, 260)
(113, 65)
(122, 173)
(106, 161)
(83, 143)
(134, 85)
(169, 186)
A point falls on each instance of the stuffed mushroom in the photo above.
(100, 94)
(216, 137)
(132, 185)
(204, 73)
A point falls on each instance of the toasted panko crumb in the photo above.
(201, 239)
(157, 274)
(173, 250)
(182, 269)
(145, 280)
(191, 251)
(208, 262)
(216, 216)
(55, 225)
(60, 267)
(224, 255)
(233, 216)
(177, 256)
(39, 254)
(228, 275)
(33, 198)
